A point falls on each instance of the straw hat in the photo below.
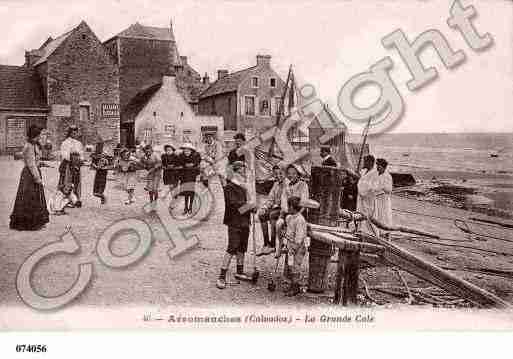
(296, 167)
(189, 146)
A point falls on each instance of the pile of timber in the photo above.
(353, 247)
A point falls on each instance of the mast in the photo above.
(365, 133)
(290, 79)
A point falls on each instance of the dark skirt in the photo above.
(170, 177)
(100, 180)
(75, 177)
(30, 211)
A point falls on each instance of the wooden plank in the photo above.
(429, 272)
(346, 245)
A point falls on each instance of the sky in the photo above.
(327, 43)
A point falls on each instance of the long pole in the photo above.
(282, 105)
(365, 132)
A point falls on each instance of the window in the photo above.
(170, 129)
(249, 105)
(264, 108)
(187, 134)
(277, 103)
(85, 113)
(272, 82)
(254, 82)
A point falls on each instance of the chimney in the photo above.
(205, 80)
(221, 74)
(263, 60)
(31, 57)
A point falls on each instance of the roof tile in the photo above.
(228, 83)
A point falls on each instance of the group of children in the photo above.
(173, 168)
(283, 211)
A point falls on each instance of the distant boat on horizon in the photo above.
(468, 149)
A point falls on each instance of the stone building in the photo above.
(22, 103)
(77, 79)
(163, 116)
(145, 54)
(248, 99)
(71, 79)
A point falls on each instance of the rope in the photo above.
(459, 246)
(462, 225)
(410, 296)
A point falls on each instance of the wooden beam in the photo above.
(431, 273)
(346, 245)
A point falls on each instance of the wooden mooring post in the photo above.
(346, 282)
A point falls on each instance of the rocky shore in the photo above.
(490, 194)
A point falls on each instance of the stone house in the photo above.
(248, 99)
(163, 116)
(22, 103)
(144, 54)
(71, 79)
(77, 79)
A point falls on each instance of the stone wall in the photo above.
(81, 72)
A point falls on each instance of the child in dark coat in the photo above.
(237, 221)
(100, 163)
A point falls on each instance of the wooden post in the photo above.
(340, 276)
(351, 272)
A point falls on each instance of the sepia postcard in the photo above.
(343, 165)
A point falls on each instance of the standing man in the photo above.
(210, 155)
(236, 153)
(269, 213)
(383, 193)
(327, 160)
(72, 154)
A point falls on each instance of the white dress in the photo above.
(383, 199)
(367, 192)
(366, 200)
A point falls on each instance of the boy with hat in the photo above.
(327, 160)
(235, 197)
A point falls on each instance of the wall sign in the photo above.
(61, 110)
(16, 132)
(110, 110)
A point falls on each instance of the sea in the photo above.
(473, 153)
(482, 161)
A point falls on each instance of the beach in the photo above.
(456, 170)
(189, 280)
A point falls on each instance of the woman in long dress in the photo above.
(30, 212)
(383, 193)
(366, 199)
